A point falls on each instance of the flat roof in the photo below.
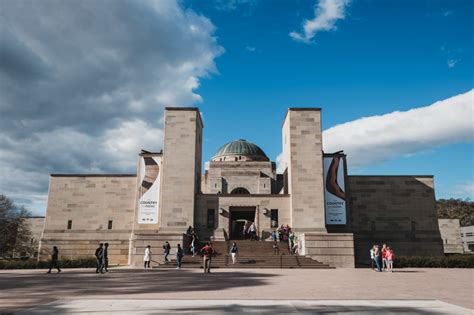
(196, 109)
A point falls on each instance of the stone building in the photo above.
(336, 217)
(450, 230)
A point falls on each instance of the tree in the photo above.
(15, 234)
(456, 209)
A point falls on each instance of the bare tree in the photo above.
(15, 235)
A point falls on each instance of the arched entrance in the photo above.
(240, 191)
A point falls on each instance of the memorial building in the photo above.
(335, 216)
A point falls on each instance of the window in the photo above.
(240, 191)
(110, 225)
(69, 224)
(274, 218)
(210, 218)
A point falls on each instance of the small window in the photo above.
(69, 224)
(274, 218)
(210, 218)
(110, 225)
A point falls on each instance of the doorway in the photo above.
(240, 217)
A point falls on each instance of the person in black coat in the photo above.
(105, 258)
(99, 254)
(54, 260)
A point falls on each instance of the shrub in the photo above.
(86, 262)
(451, 261)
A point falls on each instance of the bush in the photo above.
(87, 262)
(452, 261)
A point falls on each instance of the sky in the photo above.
(84, 84)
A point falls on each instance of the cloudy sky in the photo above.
(83, 84)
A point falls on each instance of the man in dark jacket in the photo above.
(54, 260)
(99, 255)
(105, 258)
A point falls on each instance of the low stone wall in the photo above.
(156, 240)
(335, 249)
(83, 244)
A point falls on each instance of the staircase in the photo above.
(252, 254)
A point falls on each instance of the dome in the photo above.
(240, 150)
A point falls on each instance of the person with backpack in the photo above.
(166, 251)
(207, 252)
(99, 254)
(179, 256)
(233, 252)
(54, 260)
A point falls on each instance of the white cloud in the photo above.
(452, 62)
(465, 190)
(84, 90)
(378, 138)
(250, 48)
(326, 14)
(280, 163)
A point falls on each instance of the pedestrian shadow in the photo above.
(37, 288)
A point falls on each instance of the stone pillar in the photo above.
(181, 168)
(303, 159)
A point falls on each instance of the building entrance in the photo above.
(240, 217)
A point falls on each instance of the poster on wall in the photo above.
(334, 189)
(149, 189)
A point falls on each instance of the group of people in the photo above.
(382, 259)
(207, 252)
(285, 234)
(102, 256)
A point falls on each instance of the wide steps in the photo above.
(252, 254)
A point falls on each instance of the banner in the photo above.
(334, 189)
(149, 189)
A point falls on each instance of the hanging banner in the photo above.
(149, 189)
(334, 189)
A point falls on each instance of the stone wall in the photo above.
(303, 158)
(450, 230)
(397, 210)
(36, 226)
(89, 202)
(335, 249)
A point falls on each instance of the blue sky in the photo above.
(384, 56)
(85, 83)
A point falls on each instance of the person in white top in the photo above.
(253, 231)
(147, 257)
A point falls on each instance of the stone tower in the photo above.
(303, 158)
(180, 182)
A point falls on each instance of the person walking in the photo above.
(194, 242)
(147, 257)
(99, 253)
(105, 258)
(179, 256)
(276, 250)
(253, 232)
(274, 236)
(166, 251)
(233, 252)
(54, 260)
(207, 252)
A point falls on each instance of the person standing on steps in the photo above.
(147, 257)
(179, 256)
(207, 252)
(54, 260)
(233, 252)
(166, 251)
(99, 253)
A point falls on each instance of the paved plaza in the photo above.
(406, 291)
